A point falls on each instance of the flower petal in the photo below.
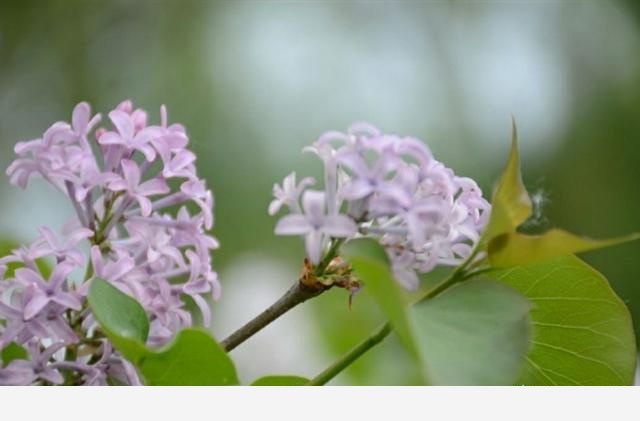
(122, 121)
(339, 226)
(131, 173)
(313, 203)
(80, 118)
(313, 243)
(37, 302)
(293, 225)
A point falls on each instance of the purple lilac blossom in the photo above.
(390, 188)
(117, 179)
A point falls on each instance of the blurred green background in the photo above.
(256, 81)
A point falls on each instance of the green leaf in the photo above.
(510, 205)
(582, 331)
(475, 333)
(512, 249)
(371, 265)
(121, 317)
(13, 351)
(6, 247)
(280, 381)
(194, 358)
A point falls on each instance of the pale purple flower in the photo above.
(196, 191)
(367, 180)
(289, 193)
(157, 258)
(137, 190)
(128, 135)
(49, 324)
(180, 165)
(189, 230)
(395, 191)
(110, 270)
(82, 122)
(25, 372)
(36, 154)
(323, 149)
(166, 310)
(88, 178)
(201, 278)
(39, 293)
(315, 224)
(67, 249)
(403, 270)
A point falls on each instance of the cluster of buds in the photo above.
(390, 188)
(122, 182)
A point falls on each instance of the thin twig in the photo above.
(297, 294)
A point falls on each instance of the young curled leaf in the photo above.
(510, 207)
(511, 204)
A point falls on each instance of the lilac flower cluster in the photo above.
(390, 188)
(117, 179)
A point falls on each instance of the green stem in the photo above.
(89, 271)
(347, 359)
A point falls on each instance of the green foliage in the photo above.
(510, 207)
(7, 247)
(123, 320)
(510, 204)
(280, 381)
(476, 333)
(193, 358)
(13, 351)
(370, 264)
(582, 331)
(479, 331)
(514, 248)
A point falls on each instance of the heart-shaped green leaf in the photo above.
(475, 333)
(194, 358)
(582, 331)
(280, 381)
